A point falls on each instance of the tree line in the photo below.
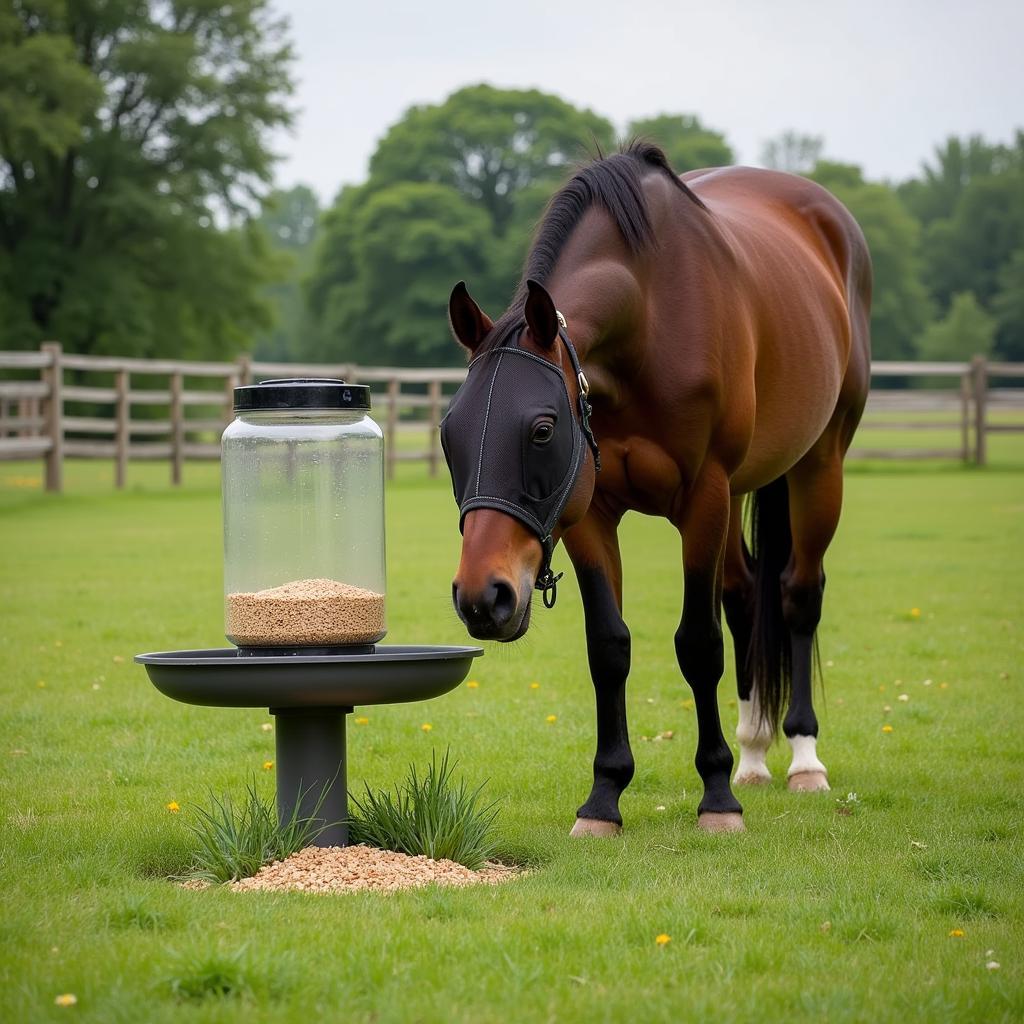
(138, 214)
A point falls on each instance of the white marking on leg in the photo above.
(805, 756)
(755, 738)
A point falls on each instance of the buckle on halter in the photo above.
(547, 583)
(584, 384)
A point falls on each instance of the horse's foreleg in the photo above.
(594, 549)
(753, 731)
(699, 647)
(815, 498)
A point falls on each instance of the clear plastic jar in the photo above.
(303, 489)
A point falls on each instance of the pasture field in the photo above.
(895, 911)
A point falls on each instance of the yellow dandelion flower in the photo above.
(361, 720)
(173, 807)
(66, 999)
(426, 727)
(551, 719)
(956, 933)
(58, 643)
(915, 613)
(41, 684)
(267, 765)
(534, 686)
(943, 686)
(663, 939)
(886, 728)
(473, 685)
(687, 704)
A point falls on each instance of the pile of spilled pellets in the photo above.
(349, 868)
(306, 613)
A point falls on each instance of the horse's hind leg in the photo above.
(815, 499)
(594, 549)
(754, 732)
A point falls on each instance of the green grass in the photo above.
(232, 843)
(811, 914)
(428, 814)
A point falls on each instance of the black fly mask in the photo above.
(512, 442)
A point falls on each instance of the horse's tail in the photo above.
(769, 658)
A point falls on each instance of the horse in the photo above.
(677, 345)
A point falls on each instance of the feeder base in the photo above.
(310, 745)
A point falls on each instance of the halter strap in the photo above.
(547, 581)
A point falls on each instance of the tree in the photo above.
(289, 219)
(455, 190)
(132, 149)
(687, 143)
(900, 307)
(792, 152)
(966, 331)
(967, 250)
(1008, 307)
(489, 145)
(958, 163)
(386, 264)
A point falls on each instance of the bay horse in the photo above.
(676, 344)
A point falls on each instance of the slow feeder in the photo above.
(304, 589)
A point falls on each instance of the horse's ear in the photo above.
(541, 317)
(470, 324)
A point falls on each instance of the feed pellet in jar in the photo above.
(306, 613)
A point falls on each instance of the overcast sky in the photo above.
(882, 80)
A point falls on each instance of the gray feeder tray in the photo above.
(310, 695)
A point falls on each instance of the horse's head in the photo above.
(516, 438)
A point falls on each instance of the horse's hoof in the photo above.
(808, 782)
(595, 827)
(721, 821)
(753, 779)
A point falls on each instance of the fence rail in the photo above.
(49, 400)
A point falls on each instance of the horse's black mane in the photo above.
(612, 182)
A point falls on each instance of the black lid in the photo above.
(302, 393)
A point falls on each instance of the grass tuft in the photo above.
(216, 975)
(135, 913)
(430, 815)
(235, 844)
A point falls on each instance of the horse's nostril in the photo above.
(503, 602)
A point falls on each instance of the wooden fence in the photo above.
(55, 405)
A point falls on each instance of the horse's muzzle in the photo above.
(492, 612)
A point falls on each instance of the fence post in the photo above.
(244, 362)
(394, 385)
(965, 417)
(979, 370)
(53, 375)
(434, 391)
(177, 428)
(121, 429)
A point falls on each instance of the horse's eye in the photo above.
(543, 432)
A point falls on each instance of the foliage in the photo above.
(900, 307)
(133, 144)
(488, 144)
(793, 152)
(687, 143)
(290, 220)
(431, 815)
(236, 843)
(965, 331)
(957, 163)
(1008, 307)
(454, 191)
